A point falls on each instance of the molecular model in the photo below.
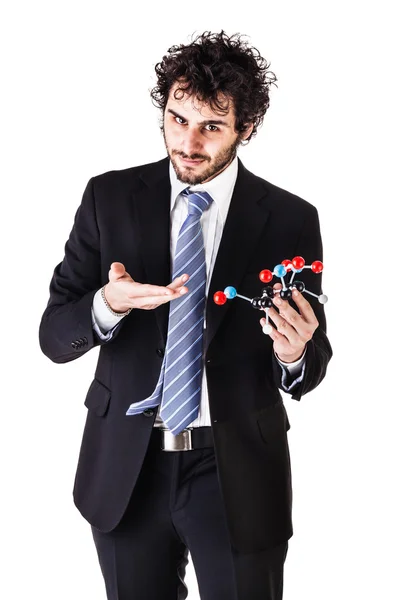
(264, 302)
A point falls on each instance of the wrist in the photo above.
(290, 358)
(117, 313)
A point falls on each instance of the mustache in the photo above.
(193, 157)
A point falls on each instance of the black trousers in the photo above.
(176, 508)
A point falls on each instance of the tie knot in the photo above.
(198, 202)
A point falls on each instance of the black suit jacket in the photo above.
(125, 216)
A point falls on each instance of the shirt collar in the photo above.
(220, 187)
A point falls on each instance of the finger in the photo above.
(263, 322)
(117, 271)
(281, 343)
(278, 300)
(305, 308)
(117, 266)
(145, 290)
(277, 288)
(287, 312)
(284, 327)
(296, 320)
(178, 281)
(146, 301)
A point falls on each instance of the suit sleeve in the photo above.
(319, 351)
(65, 330)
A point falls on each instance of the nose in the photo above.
(191, 146)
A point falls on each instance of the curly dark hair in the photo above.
(214, 63)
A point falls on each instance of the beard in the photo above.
(208, 169)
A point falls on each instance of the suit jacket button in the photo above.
(208, 361)
(160, 352)
(149, 412)
(73, 344)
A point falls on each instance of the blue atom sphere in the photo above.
(230, 292)
(279, 271)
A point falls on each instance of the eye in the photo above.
(175, 119)
(215, 127)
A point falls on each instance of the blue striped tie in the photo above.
(179, 385)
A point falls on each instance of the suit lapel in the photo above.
(246, 219)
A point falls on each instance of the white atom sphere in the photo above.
(323, 298)
(267, 329)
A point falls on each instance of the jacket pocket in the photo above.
(98, 398)
(273, 421)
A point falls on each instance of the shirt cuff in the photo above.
(286, 377)
(295, 367)
(292, 373)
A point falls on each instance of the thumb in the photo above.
(117, 271)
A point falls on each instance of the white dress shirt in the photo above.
(212, 220)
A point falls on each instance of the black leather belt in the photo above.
(189, 439)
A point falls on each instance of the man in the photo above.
(185, 443)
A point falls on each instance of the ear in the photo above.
(245, 134)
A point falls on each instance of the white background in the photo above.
(75, 103)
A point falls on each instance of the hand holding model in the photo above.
(293, 330)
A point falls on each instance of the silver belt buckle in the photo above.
(171, 442)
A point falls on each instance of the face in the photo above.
(200, 143)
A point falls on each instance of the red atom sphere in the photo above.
(317, 266)
(265, 276)
(285, 263)
(219, 298)
(298, 262)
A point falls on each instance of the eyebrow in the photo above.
(206, 122)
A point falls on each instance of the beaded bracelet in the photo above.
(116, 314)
